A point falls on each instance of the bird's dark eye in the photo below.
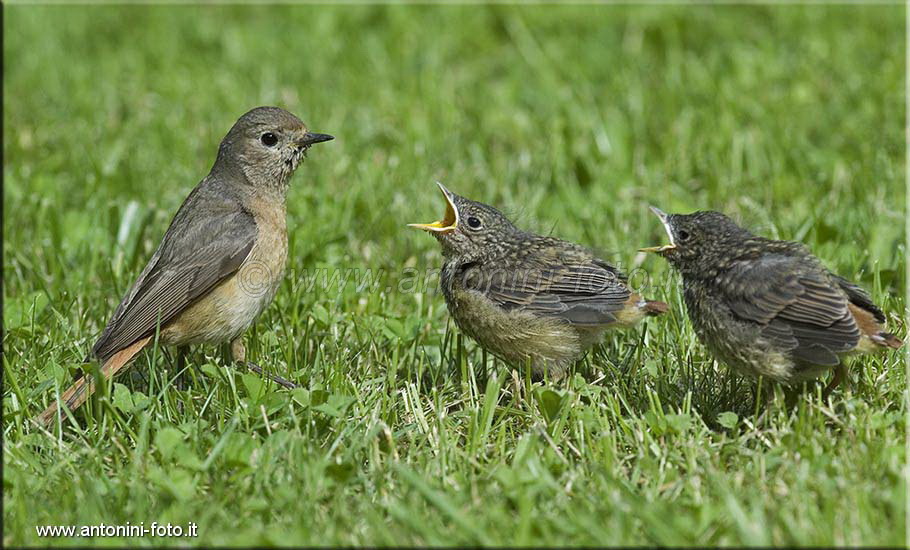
(268, 139)
(683, 235)
(474, 223)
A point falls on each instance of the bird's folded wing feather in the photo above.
(860, 297)
(797, 304)
(196, 253)
(584, 293)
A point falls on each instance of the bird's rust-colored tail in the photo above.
(890, 340)
(654, 307)
(872, 328)
(637, 308)
(78, 393)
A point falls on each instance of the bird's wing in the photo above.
(583, 291)
(798, 306)
(207, 241)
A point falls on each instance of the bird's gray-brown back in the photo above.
(545, 276)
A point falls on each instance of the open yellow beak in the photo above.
(664, 219)
(449, 222)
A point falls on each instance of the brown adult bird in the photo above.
(222, 258)
(526, 298)
(768, 308)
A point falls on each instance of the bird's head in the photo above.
(267, 144)
(699, 241)
(469, 228)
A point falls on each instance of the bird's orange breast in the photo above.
(231, 307)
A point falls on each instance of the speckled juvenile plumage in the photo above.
(525, 297)
(766, 307)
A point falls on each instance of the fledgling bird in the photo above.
(524, 297)
(765, 307)
(222, 258)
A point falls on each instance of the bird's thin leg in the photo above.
(840, 373)
(181, 382)
(238, 352)
(764, 397)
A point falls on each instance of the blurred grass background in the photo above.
(572, 119)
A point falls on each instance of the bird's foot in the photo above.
(238, 352)
(840, 374)
(273, 377)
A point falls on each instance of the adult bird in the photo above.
(222, 258)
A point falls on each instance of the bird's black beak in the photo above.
(310, 138)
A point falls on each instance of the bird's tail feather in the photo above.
(82, 389)
(654, 307)
(888, 339)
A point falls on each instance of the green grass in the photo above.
(571, 119)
